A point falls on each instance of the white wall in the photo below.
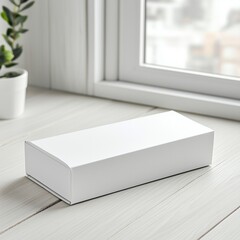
(68, 46)
(36, 57)
(55, 48)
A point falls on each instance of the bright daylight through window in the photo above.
(197, 35)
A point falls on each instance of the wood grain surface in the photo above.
(199, 204)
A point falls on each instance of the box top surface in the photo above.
(99, 143)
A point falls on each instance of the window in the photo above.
(166, 44)
(167, 53)
(202, 36)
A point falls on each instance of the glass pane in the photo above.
(199, 35)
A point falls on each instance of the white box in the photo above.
(90, 163)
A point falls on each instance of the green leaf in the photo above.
(27, 6)
(13, 34)
(17, 52)
(10, 31)
(9, 15)
(10, 75)
(23, 1)
(13, 2)
(20, 20)
(12, 64)
(6, 56)
(4, 16)
(23, 30)
(9, 42)
(2, 59)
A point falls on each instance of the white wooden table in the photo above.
(202, 204)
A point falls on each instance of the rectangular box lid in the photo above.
(90, 145)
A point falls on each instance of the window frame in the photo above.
(105, 78)
(133, 69)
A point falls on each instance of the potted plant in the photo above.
(13, 82)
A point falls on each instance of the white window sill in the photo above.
(168, 98)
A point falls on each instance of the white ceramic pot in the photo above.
(13, 94)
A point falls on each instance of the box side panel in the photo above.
(47, 172)
(111, 175)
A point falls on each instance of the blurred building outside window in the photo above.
(198, 35)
